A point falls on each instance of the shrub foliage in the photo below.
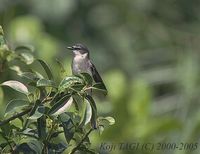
(46, 112)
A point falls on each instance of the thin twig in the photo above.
(50, 132)
(78, 146)
(7, 140)
(14, 117)
(87, 88)
(47, 99)
(27, 120)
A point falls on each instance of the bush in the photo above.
(48, 112)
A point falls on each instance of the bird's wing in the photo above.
(97, 78)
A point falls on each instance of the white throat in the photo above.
(79, 56)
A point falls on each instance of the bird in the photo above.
(81, 63)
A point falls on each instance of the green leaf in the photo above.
(35, 146)
(77, 102)
(46, 68)
(57, 148)
(23, 48)
(101, 129)
(45, 83)
(56, 97)
(29, 146)
(87, 78)
(2, 41)
(1, 96)
(30, 133)
(61, 106)
(26, 57)
(88, 112)
(41, 127)
(77, 86)
(6, 53)
(69, 82)
(62, 68)
(31, 97)
(17, 69)
(36, 104)
(39, 112)
(6, 129)
(1, 30)
(38, 74)
(106, 121)
(68, 126)
(17, 123)
(55, 134)
(111, 120)
(87, 115)
(94, 111)
(15, 106)
(30, 76)
(100, 87)
(16, 85)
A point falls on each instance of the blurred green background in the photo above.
(146, 50)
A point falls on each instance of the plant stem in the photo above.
(7, 140)
(14, 117)
(50, 132)
(47, 99)
(78, 146)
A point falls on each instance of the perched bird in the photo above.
(81, 63)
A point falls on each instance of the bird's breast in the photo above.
(80, 65)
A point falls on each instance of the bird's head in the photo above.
(79, 50)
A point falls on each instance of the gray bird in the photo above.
(81, 63)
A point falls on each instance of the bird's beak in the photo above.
(70, 48)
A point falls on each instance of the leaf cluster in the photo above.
(49, 111)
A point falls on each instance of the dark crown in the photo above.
(79, 46)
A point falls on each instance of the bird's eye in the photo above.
(77, 48)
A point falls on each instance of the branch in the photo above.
(14, 117)
(7, 140)
(78, 146)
